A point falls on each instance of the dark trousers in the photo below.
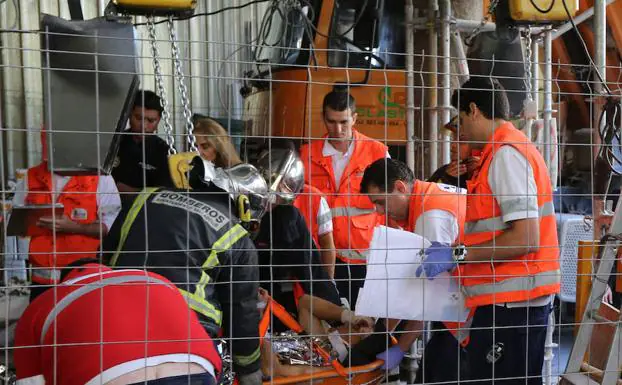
(444, 360)
(192, 379)
(511, 352)
(349, 279)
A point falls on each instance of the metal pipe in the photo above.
(410, 86)
(577, 20)
(445, 10)
(600, 41)
(457, 52)
(548, 94)
(431, 86)
(465, 25)
(535, 70)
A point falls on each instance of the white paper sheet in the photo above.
(392, 289)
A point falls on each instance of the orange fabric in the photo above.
(434, 196)
(78, 194)
(354, 232)
(308, 202)
(428, 196)
(482, 205)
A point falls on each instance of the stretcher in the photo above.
(336, 373)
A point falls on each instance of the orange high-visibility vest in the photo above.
(308, 202)
(529, 276)
(354, 215)
(428, 196)
(79, 198)
(437, 196)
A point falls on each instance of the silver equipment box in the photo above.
(89, 83)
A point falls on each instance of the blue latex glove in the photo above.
(391, 357)
(438, 258)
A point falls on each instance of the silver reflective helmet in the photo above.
(244, 179)
(284, 172)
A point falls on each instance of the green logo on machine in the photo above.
(388, 105)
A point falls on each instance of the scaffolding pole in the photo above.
(431, 86)
(548, 94)
(445, 9)
(410, 86)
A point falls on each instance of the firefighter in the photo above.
(334, 165)
(508, 263)
(286, 250)
(436, 212)
(112, 327)
(91, 205)
(199, 239)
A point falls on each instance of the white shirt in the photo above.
(108, 200)
(340, 159)
(438, 226)
(513, 184)
(324, 218)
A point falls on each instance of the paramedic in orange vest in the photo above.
(436, 212)
(91, 205)
(508, 262)
(335, 165)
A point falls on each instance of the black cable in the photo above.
(587, 52)
(610, 134)
(231, 8)
(543, 10)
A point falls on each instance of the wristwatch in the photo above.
(460, 253)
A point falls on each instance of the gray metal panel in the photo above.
(90, 64)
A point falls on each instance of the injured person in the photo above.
(353, 340)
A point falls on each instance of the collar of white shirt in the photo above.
(329, 150)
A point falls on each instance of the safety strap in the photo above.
(138, 204)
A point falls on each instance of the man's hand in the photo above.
(348, 317)
(471, 163)
(455, 169)
(391, 357)
(438, 259)
(61, 224)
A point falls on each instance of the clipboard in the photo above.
(23, 219)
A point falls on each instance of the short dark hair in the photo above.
(384, 173)
(149, 100)
(76, 264)
(339, 100)
(487, 94)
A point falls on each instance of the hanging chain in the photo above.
(183, 91)
(527, 61)
(166, 116)
(491, 9)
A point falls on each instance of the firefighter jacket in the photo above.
(194, 239)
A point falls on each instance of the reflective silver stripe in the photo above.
(520, 204)
(324, 218)
(350, 211)
(496, 223)
(353, 254)
(485, 225)
(514, 284)
(89, 287)
(49, 274)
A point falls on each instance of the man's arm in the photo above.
(438, 226)
(328, 253)
(523, 237)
